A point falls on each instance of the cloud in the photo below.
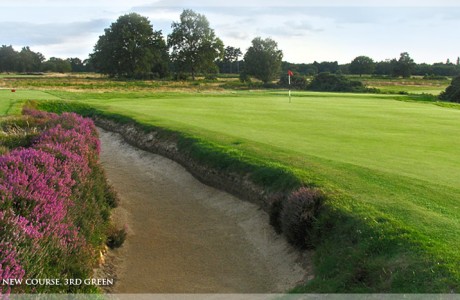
(30, 34)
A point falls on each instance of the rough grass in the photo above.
(414, 85)
(390, 169)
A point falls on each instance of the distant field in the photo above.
(96, 82)
(410, 85)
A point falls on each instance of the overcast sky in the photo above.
(305, 30)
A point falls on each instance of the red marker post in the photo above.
(289, 80)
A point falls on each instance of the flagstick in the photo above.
(289, 88)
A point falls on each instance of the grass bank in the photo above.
(389, 168)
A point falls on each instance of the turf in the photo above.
(11, 102)
(388, 162)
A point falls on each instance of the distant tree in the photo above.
(384, 67)
(231, 55)
(327, 66)
(195, 47)
(29, 61)
(345, 69)
(404, 66)
(328, 82)
(8, 59)
(131, 48)
(89, 66)
(362, 65)
(458, 61)
(76, 64)
(57, 65)
(263, 59)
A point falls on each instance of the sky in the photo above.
(306, 31)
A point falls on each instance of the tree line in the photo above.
(404, 66)
(131, 48)
(28, 61)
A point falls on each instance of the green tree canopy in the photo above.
(131, 48)
(263, 59)
(452, 92)
(404, 66)
(231, 55)
(194, 44)
(8, 59)
(362, 65)
(57, 65)
(29, 61)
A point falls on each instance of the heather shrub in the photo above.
(298, 216)
(54, 204)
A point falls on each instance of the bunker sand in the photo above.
(186, 237)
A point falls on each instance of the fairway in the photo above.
(11, 102)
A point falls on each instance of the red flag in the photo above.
(290, 73)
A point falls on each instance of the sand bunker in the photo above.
(186, 237)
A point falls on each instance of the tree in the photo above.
(404, 66)
(8, 59)
(57, 65)
(130, 48)
(326, 66)
(263, 59)
(362, 65)
(29, 61)
(231, 55)
(452, 92)
(76, 64)
(194, 44)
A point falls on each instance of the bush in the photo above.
(116, 237)
(299, 214)
(244, 77)
(298, 82)
(180, 76)
(452, 92)
(328, 82)
(211, 76)
(434, 77)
